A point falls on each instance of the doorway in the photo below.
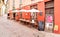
(49, 16)
(34, 14)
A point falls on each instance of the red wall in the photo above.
(46, 0)
(41, 7)
(24, 13)
(17, 17)
(57, 14)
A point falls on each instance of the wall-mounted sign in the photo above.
(56, 27)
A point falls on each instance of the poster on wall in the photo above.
(49, 19)
(49, 23)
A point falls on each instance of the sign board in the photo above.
(56, 27)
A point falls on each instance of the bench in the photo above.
(28, 22)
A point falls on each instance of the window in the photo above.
(3, 0)
(0, 1)
(13, 4)
(49, 7)
(34, 6)
(20, 1)
(32, 0)
(49, 4)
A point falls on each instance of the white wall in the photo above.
(10, 4)
(28, 2)
(3, 10)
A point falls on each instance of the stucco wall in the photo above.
(1, 7)
(57, 14)
(10, 3)
(41, 7)
(28, 2)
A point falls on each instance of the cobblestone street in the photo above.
(11, 28)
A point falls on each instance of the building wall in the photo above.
(17, 3)
(3, 10)
(24, 3)
(29, 2)
(26, 15)
(56, 14)
(1, 6)
(41, 7)
(10, 4)
(46, 0)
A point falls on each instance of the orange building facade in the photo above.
(41, 6)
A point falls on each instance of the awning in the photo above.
(32, 10)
